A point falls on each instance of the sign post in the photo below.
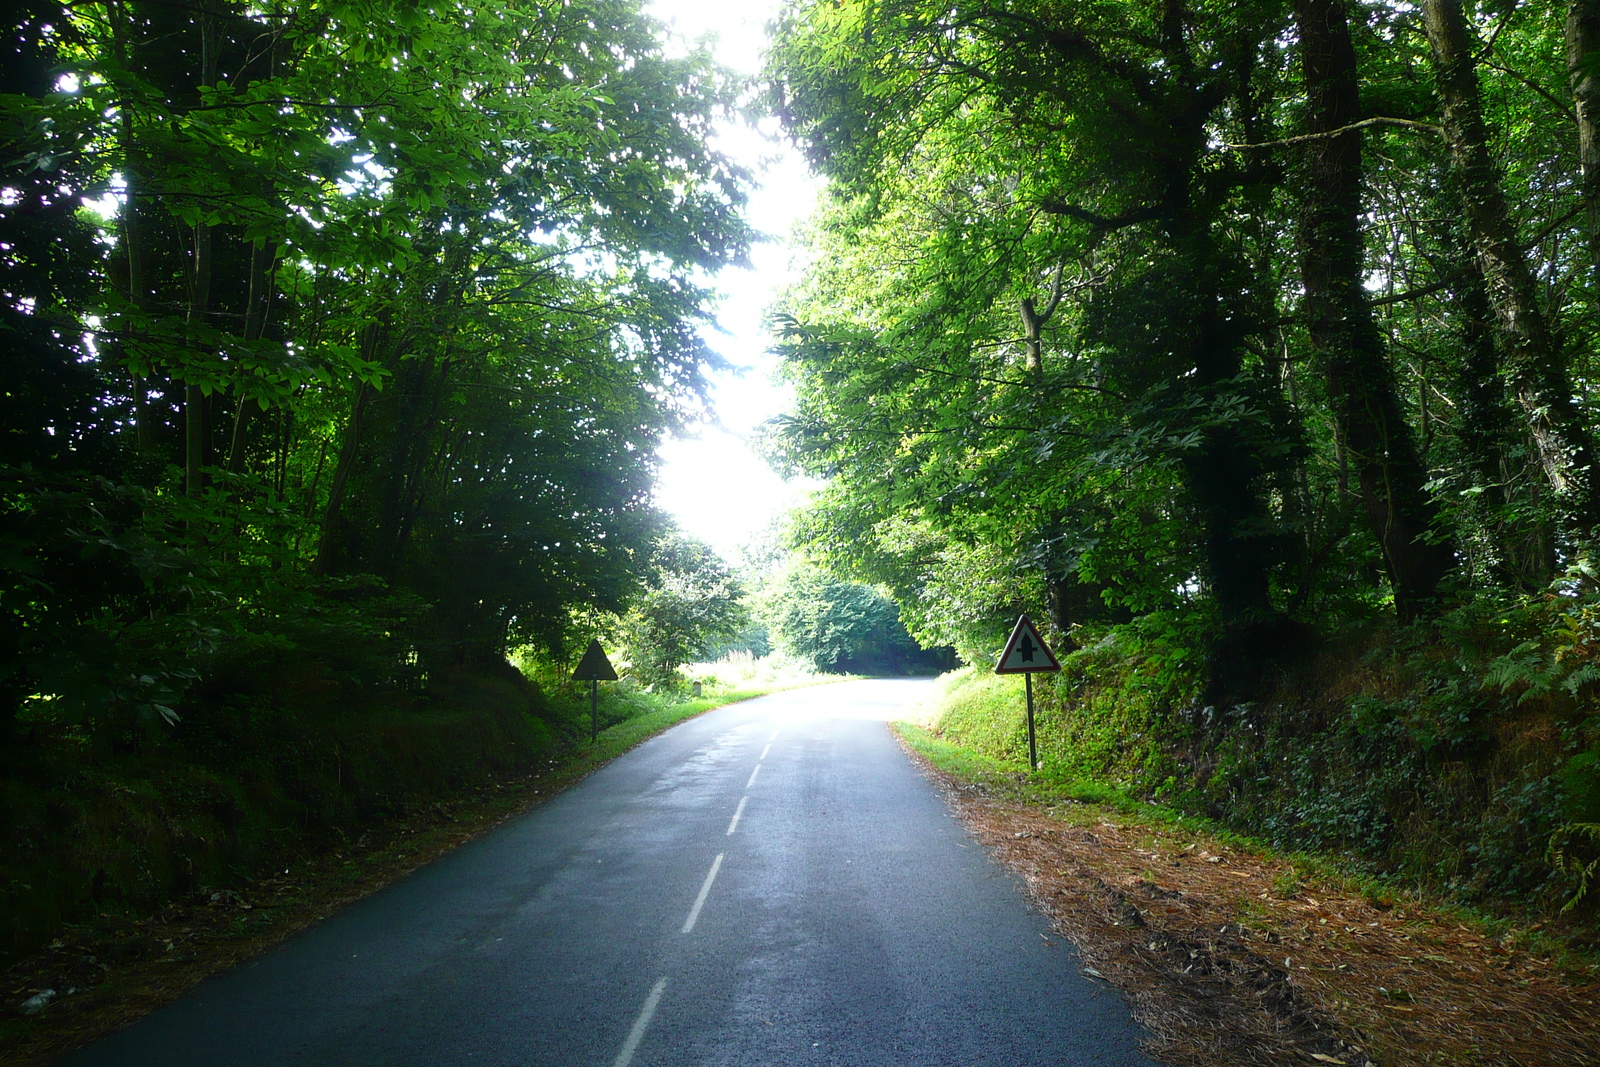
(1027, 654)
(594, 668)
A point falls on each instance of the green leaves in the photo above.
(408, 295)
(690, 601)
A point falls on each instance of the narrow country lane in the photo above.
(770, 883)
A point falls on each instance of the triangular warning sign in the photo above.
(1026, 652)
(594, 667)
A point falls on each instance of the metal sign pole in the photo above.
(594, 668)
(1025, 653)
(1033, 750)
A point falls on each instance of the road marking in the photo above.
(705, 891)
(736, 813)
(773, 738)
(753, 774)
(766, 750)
(636, 1035)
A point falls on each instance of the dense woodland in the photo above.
(1253, 345)
(1247, 345)
(381, 306)
(338, 338)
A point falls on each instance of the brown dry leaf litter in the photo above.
(1221, 971)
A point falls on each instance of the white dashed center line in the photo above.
(636, 1035)
(753, 774)
(705, 891)
(766, 750)
(736, 813)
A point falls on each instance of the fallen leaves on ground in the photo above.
(1222, 971)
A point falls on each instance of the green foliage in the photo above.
(691, 603)
(958, 758)
(227, 795)
(838, 627)
(338, 341)
(1567, 847)
(983, 712)
(361, 352)
(1400, 751)
(1065, 347)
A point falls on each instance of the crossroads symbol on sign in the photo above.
(1026, 652)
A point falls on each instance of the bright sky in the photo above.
(714, 484)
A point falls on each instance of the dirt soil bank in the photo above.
(1229, 958)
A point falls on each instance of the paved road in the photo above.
(771, 883)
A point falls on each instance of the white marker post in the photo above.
(1026, 654)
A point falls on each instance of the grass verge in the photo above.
(1232, 953)
(107, 972)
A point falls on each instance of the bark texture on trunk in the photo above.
(1371, 424)
(1033, 322)
(1523, 549)
(195, 429)
(330, 547)
(1583, 65)
(194, 400)
(1534, 363)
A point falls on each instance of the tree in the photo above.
(1535, 364)
(1054, 348)
(840, 627)
(1054, 163)
(363, 341)
(1373, 430)
(691, 601)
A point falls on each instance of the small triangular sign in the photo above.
(1026, 652)
(594, 667)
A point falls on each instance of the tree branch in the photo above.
(1307, 138)
(1100, 222)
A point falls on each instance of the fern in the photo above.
(1589, 672)
(1523, 666)
(1562, 859)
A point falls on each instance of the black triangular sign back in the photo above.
(594, 667)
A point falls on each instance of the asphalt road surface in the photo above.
(770, 883)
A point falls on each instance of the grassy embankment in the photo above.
(1233, 946)
(151, 868)
(255, 787)
(1396, 820)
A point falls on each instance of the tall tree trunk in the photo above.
(1534, 363)
(194, 400)
(1350, 348)
(329, 546)
(1224, 475)
(258, 302)
(1487, 433)
(1224, 472)
(135, 175)
(1583, 64)
(258, 309)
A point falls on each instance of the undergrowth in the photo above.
(272, 774)
(1458, 758)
